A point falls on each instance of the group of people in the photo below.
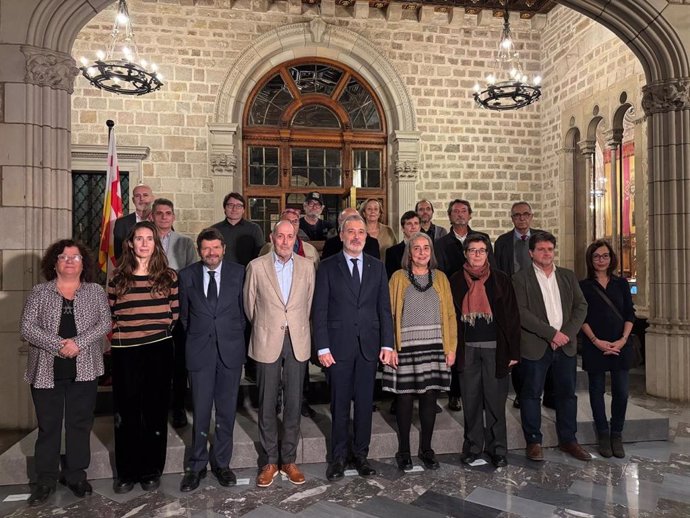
(440, 311)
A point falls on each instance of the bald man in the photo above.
(142, 197)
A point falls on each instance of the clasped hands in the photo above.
(610, 348)
(386, 356)
(69, 349)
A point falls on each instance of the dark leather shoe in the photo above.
(150, 483)
(225, 476)
(533, 452)
(40, 493)
(191, 480)
(468, 458)
(362, 466)
(499, 461)
(454, 404)
(404, 461)
(335, 470)
(79, 489)
(575, 450)
(428, 458)
(121, 486)
(605, 445)
(307, 411)
(617, 446)
(516, 403)
(179, 418)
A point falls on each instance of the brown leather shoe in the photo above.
(268, 473)
(575, 450)
(293, 473)
(533, 452)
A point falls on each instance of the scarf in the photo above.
(299, 247)
(476, 303)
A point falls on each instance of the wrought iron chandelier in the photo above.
(507, 87)
(119, 68)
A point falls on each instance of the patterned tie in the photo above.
(355, 275)
(212, 293)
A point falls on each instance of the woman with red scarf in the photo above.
(488, 346)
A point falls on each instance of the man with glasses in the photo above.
(512, 255)
(311, 223)
(243, 238)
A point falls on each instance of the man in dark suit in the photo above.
(512, 255)
(451, 258)
(142, 197)
(552, 310)
(410, 224)
(212, 313)
(353, 329)
(334, 245)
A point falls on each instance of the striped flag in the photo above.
(112, 208)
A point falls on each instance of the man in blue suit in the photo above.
(212, 313)
(353, 329)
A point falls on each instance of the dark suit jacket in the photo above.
(393, 258)
(503, 250)
(536, 331)
(341, 318)
(210, 334)
(122, 227)
(334, 245)
(450, 255)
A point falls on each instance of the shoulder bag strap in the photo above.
(608, 301)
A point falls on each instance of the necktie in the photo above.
(355, 275)
(521, 254)
(212, 293)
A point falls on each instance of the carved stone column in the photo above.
(587, 147)
(405, 164)
(614, 139)
(667, 106)
(224, 161)
(35, 208)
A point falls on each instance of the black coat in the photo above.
(503, 250)
(450, 255)
(394, 257)
(333, 245)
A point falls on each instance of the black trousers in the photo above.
(75, 400)
(141, 390)
(179, 381)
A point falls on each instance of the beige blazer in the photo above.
(268, 313)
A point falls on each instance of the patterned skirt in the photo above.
(421, 367)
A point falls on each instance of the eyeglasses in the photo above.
(233, 206)
(476, 251)
(522, 215)
(64, 258)
(603, 257)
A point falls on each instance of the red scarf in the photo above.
(300, 247)
(476, 303)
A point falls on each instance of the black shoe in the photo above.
(468, 458)
(361, 464)
(499, 461)
(79, 489)
(225, 476)
(150, 483)
(428, 458)
(394, 407)
(454, 404)
(516, 403)
(121, 486)
(39, 494)
(307, 411)
(179, 419)
(617, 446)
(191, 480)
(439, 410)
(335, 470)
(404, 461)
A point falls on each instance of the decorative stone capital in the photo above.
(224, 164)
(48, 68)
(614, 137)
(667, 96)
(587, 147)
(406, 171)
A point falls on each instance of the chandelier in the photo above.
(507, 87)
(119, 68)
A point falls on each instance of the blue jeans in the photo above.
(619, 400)
(563, 372)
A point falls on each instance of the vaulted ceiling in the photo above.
(526, 8)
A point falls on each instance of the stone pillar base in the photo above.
(667, 362)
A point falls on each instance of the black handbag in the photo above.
(634, 342)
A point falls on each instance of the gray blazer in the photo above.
(536, 332)
(181, 251)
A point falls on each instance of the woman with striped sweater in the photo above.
(144, 305)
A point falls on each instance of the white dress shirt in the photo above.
(207, 278)
(551, 295)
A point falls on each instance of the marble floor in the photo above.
(653, 480)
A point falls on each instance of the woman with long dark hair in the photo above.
(65, 321)
(144, 304)
(605, 333)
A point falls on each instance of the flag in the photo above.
(112, 208)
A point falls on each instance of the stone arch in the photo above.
(315, 38)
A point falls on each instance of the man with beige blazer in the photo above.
(278, 295)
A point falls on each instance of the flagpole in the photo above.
(112, 205)
(111, 125)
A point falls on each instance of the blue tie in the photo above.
(355, 275)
